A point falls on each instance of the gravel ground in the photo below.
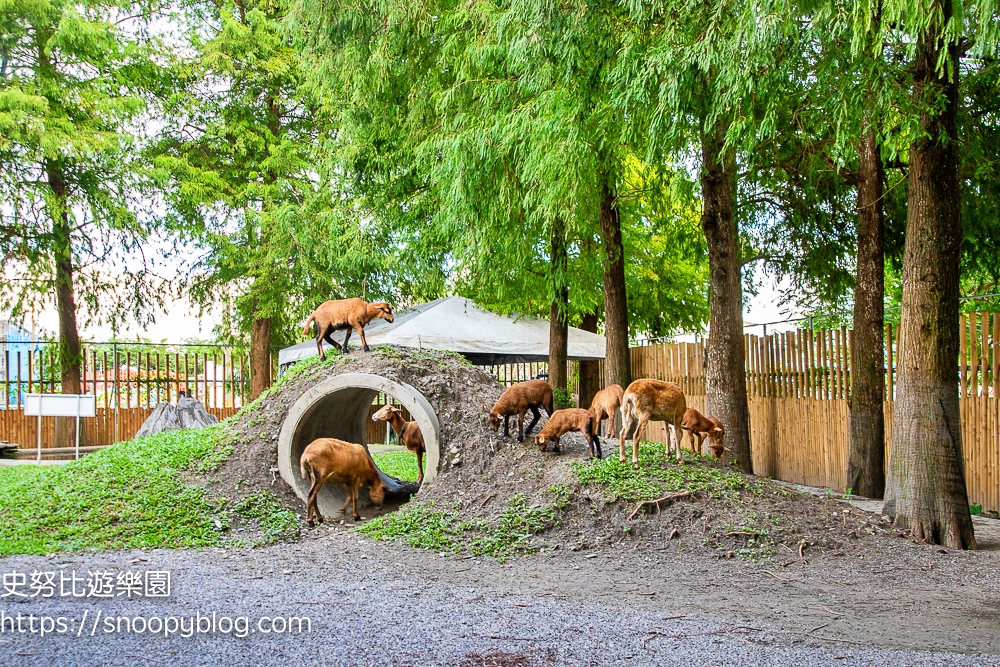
(382, 604)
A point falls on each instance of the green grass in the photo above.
(444, 531)
(657, 474)
(401, 465)
(273, 519)
(131, 495)
(421, 526)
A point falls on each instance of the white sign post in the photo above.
(60, 405)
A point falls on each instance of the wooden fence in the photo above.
(798, 384)
(127, 383)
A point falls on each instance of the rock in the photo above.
(188, 413)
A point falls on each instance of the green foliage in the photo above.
(657, 474)
(77, 85)
(401, 465)
(975, 509)
(443, 530)
(270, 515)
(131, 495)
(510, 533)
(421, 526)
(562, 399)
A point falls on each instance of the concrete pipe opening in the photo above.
(338, 408)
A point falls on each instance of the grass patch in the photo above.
(271, 516)
(657, 474)
(401, 465)
(421, 526)
(131, 495)
(444, 531)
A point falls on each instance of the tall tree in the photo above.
(926, 487)
(240, 159)
(76, 79)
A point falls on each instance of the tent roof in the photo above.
(457, 324)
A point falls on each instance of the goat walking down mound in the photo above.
(518, 400)
(651, 400)
(338, 462)
(345, 314)
(564, 421)
(409, 434)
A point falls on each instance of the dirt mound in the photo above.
(492, 486)
(460, 394)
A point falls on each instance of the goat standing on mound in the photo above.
(651, 400)
(345, 314)
(699, 427)
(408, 432)
(518, 400)
(338, 462)
(564, 421)
(606, 404)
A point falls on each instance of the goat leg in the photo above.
(635, 441)
(420, 466)
(534, 420)
(346, 338)
(328, 337)
(520, 426)
(506, 426)
(364, 342)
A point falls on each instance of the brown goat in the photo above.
(409, 434)
(518, 400)
(345, 314)
(338, 462)
(650, 400)
(606, 404)
(564, 421)
(699, 427)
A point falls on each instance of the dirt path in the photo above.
(620, 604)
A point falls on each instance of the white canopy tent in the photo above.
(457, 324)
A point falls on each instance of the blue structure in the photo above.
(14, 339)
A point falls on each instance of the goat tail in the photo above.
(305, 331)
(629, 415)
(549, 404)
(307, 470)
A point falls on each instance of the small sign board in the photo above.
(60, 405)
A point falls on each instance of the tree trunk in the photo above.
(866, 459)
(590, 371)
(70, 357)
(260, 356)
(926, 487)
(725, 368)
(616, 364)
(558, 314)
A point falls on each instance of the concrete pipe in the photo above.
(338, 408)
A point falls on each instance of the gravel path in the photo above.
(370, 603)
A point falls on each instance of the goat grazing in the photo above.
(345, 314)
(518, 400)
(650, 400)
(605, 405)
(564, 421)
(338, 462)
(699, 427)
(408, 432)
